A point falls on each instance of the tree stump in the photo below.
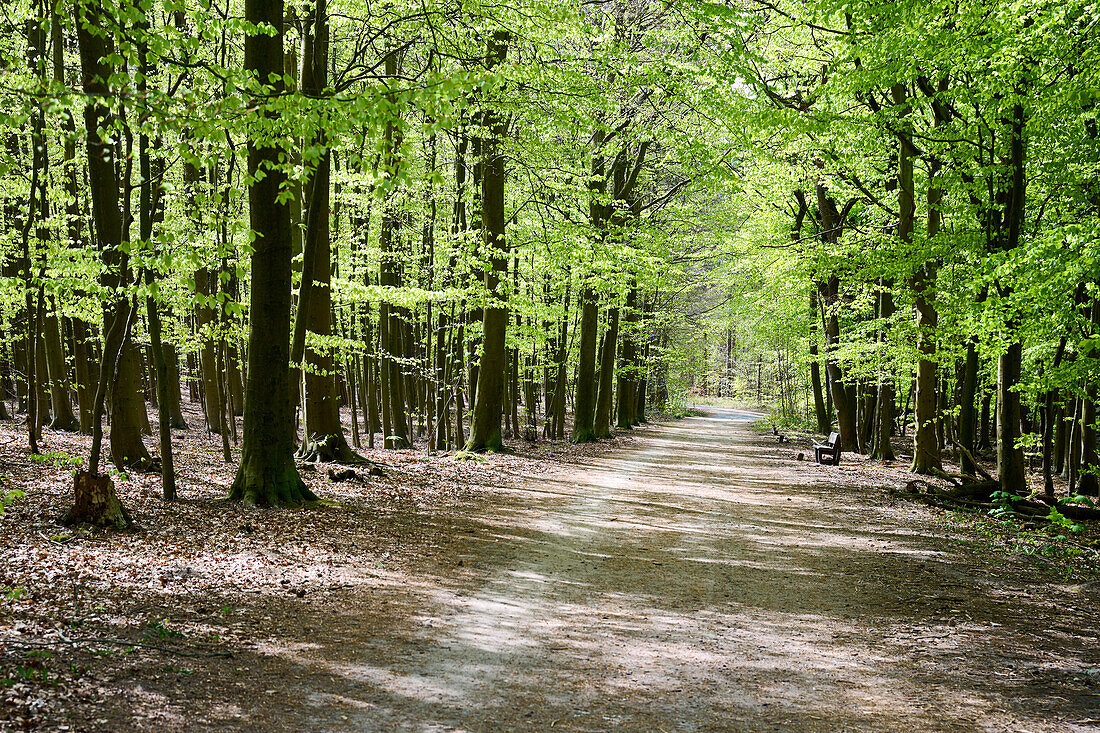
(96, 502)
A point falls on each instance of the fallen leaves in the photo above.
(202, 576)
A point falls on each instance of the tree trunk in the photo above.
(267, 474)
(584, 404)
(324, 433)
(844, 408)
(628, 370)
(1089, 485)
(485, 426)
(1010, 458)
(824, 423)
(967, 407)
(82, 354)
(93, 500)
(555, 417)
(884, 411)
(128, 451)
(643, 379)
(1059, 442)
(602, 424)
(83, 357)
(208, 360)
(926, 446)
(61, 405)
(984, 439)
(395, 423)
(36, 210)
(149, 202)
(1048, 426)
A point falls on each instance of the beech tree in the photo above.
(267, 473)
(422, 224)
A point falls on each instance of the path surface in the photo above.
(696, 582)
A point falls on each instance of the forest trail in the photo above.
(700, 581)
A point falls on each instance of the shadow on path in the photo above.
(698, 582)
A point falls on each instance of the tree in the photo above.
(485, 427)
(267, 474)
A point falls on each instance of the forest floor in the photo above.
(689, 576)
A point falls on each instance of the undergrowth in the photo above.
(1069, 553)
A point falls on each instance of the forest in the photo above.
(250, 245)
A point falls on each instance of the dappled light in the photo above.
(550, 365)
(696, 574)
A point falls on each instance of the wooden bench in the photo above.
(828, 453)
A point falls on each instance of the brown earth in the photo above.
(693, 578)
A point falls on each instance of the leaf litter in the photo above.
(85, 614)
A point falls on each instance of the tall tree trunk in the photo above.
(627, 377)
(1010, 457)
(204, 318)
(644, 363)
(175, 396)
(844, 408)
(884, 410)
(149, 201)
(926, 451)
(205, 325)
(926, 446)
(1059, 440)
(821, 413)
(1049, 419)
(391, 326)
(60, 404)
(128, 451)
(36, 211)
(584, 403)
(267, 474)
(95, 500)
(555, 417)
(984, 439)
(485, 426)
(968, 412)
(1089, 484)
(602, 424)
(832, 224)
(83, 358)
(324, 433)
(81, 353)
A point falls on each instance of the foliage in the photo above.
(9, 497)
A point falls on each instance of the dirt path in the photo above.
(700, 581)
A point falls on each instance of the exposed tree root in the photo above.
(973, 461)
(260, 484)
(144, 464)
(350, 474)
(329, 449)
(978, 494)
(1070, 511)
(68, 423)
